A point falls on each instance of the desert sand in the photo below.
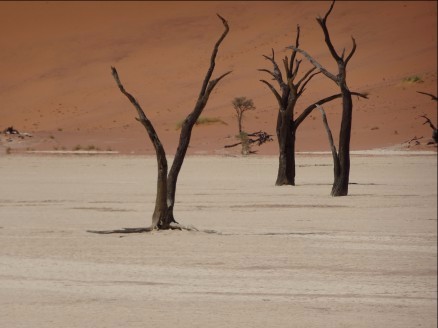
(280, 257)
(56, 81)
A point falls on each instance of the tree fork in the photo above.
(162, 217)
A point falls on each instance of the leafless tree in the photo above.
(163, 217)
(291, 88)
(340, 185)
(428, 121)
(248, 139)
(433, 127)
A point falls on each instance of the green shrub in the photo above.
(413, 79)
(203, 121)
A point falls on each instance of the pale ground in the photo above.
(286, 256)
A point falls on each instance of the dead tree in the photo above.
(163, 217)
(433, 127)
(340, 185)
(428, 121)
(258, 138)
(290, 90)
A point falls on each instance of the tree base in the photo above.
(172, 226)
(285, 183)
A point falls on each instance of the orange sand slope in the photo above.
(56, 81)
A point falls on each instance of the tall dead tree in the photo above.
(291, 89)
(340, 185)
(163, 217)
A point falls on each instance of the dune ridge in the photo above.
(56, 81)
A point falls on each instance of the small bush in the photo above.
(203, 121)
(413, 79)
(246, 146)
(77, 147)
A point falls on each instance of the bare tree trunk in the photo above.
(286, 143)
(239, 121)
(340, 185)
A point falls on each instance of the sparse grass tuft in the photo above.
(413, 79)
(203, 121)
(77, 147)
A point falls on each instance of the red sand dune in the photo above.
(56, 82)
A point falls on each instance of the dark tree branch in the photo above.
(315, 63)
(335, 155)
(428, 94)
(353, 50)
(213, 83)
(306, 75)
(213, 55)
(310, 108)
(268, 71)
(141, 115)
(295, 72)
(303, 87)
(286, 67)
(328, 12)
(297, 45)
(276, 94)
(329, 132)
(428, 121)
(276, 73)
(323, 23)
(160, 203)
